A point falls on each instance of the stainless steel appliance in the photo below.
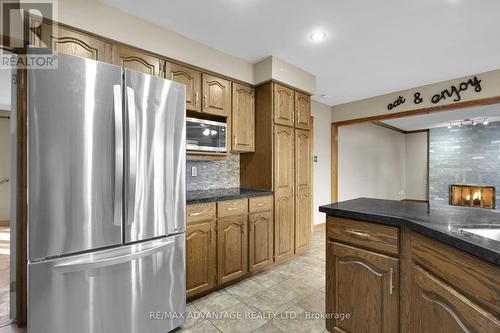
(106, 200)
(206, 135)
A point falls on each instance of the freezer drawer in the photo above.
(114, 290)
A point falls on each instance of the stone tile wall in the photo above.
(466, 155)
(214, 174)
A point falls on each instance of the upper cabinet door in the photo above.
(283, 105)
(216, 95)
(243, 118)
(136, 60)
(65, 41)
(191, 78)
(302, 111)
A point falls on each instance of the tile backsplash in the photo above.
(213, 174)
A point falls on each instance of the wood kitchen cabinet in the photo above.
(201, 245)
(365, 285)
(216, 95)
(191, 78)
(67, 41)
(302, 111)
(232, 248)
(284, 204)
(140, 61)
(283, 105)
(260, 248)
(302, 190)
(243, 118)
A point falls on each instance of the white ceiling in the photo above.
(373, 47)
(442, 119)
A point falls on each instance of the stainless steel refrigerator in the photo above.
(106, 200)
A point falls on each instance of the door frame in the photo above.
(335, 128)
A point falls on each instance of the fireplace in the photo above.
(472, 196)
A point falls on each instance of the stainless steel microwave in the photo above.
(206, 135)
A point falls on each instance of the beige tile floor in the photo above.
(287, 298)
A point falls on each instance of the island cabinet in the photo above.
(362, 279)
(226, 240)
(393, 279)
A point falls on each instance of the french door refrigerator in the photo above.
(106, 200)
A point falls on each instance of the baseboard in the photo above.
(5, 223)
(319, 227)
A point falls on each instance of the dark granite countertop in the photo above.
(223, 194)
(434, 220)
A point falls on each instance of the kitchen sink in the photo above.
(490, 231)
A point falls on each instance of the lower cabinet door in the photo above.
(440, 308)
(232, 248)
(364, 285)
(260, 246)
(200, 257)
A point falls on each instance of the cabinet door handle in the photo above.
(194, 214)
(260, 204)
(357, 233)
(213, 231)
(205, 102)
(230, 209)
(391, 281)
(196, 98)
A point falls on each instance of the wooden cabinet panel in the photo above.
(71, 42)
(302, 190)
(200, 257)
(283, 105)
(140, 61)
(260, 246)
(216, 95)
(243, 118)
(302, 111)
(191, 78)
(364, 284)
(200, 212)
(369, 235)
(439, 308)
(232, 208)
(260, 204)
(283, 192)
(232, 248)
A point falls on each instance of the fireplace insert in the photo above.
(472, 196)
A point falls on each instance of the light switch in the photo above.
(194, 171)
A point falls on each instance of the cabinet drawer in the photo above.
(260, 204)
(232, 208)
(369, 235)
(200, 212)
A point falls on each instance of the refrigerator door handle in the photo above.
(118, 192)
(81, 265)
(132, 155)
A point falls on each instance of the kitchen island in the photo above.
(406, 266)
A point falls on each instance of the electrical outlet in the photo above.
(194, 171)
(315, 159)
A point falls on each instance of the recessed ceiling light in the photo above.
(318, 36)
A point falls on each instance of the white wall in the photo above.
(4, 168)
(416, 166)
(322, 168)
(5, 77)
(372, 162)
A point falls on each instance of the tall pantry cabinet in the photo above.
(282, 163)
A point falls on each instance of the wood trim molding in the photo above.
(4, 114)
(335, 162)
(394, 128)
(432, 109)
(5, 223)
(286, 85)
(415, 200)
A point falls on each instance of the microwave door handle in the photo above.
(118, 112)
(132, 155)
